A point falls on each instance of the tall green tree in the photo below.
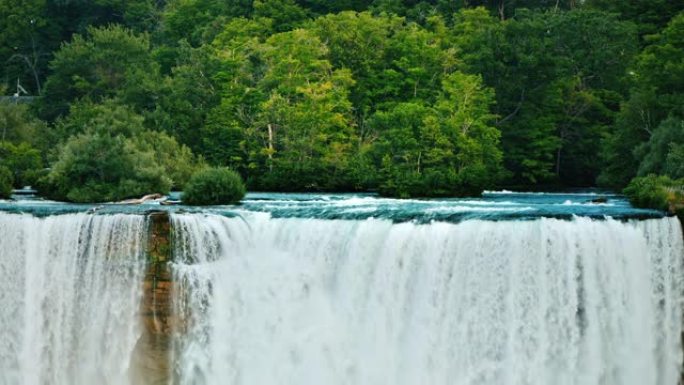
(650, 16)
(108, 62)
(197, 21)
(17, 125)
(304, 122)
(25, 43)
(658, 78)
(96, 122)
(97, 167)
(286, 15)
(558, 78)
(451, 148)
(659, 154)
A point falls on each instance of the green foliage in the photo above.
(108, 62)
(97, 167)
(177, 161)
(674, 163)
(25, 43)
(23, 161)
(110, 118)
(186, 97)
(658, 90)
(649, 15)
(358, 41)
(6, 182)
(655, 154)
(286, 14)
(193, 20)
(448, 149)
(429, 97)
(214, 186)
(654, 191)
(18, 126)
(557, 89)
(110, 156)
(285, 112)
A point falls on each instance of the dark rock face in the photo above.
(151, 360)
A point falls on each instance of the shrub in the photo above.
(102, 168)
(6, 182)
(178, 161)
(214, 186)
(114, 119)
(24, 160)
(652, 191)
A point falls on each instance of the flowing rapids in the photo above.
(69, 295)
(308, 301)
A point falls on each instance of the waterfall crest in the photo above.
(263, 300)
(308, 301)
(70, 288)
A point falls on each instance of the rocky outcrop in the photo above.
(151, 360)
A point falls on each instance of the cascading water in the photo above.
(70, 290)
(371, 302)
(343, 289)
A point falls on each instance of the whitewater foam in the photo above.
(70, 288)
(309, 301)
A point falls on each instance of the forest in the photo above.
(109, 99)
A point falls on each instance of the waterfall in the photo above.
(70, 289)
(371, 302)
(264, 300)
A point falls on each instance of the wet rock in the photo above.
(151, 359)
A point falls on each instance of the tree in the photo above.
(187, 96)
(285, 14)
(674, 163)
(238, 51)
(284, 110)
(24, 43)
(6, 182)
(96, 167)
(196, 20)
(324, 7)
(558, 81)
(465, 109)
(23, 161)
(18, 126)
(658, 88)
(449, 149)
(359, 41)
(178, 161)
(111, 119)
(657, 156)
(108, 62)
(649, 15)
(304, 123)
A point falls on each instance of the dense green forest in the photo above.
(118, 98)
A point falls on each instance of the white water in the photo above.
(70, 289)
(306, 301)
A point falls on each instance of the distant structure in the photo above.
(21, 96)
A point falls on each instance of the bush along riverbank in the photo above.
(657, 192)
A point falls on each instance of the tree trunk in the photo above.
(420, 154)
(270, 147)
